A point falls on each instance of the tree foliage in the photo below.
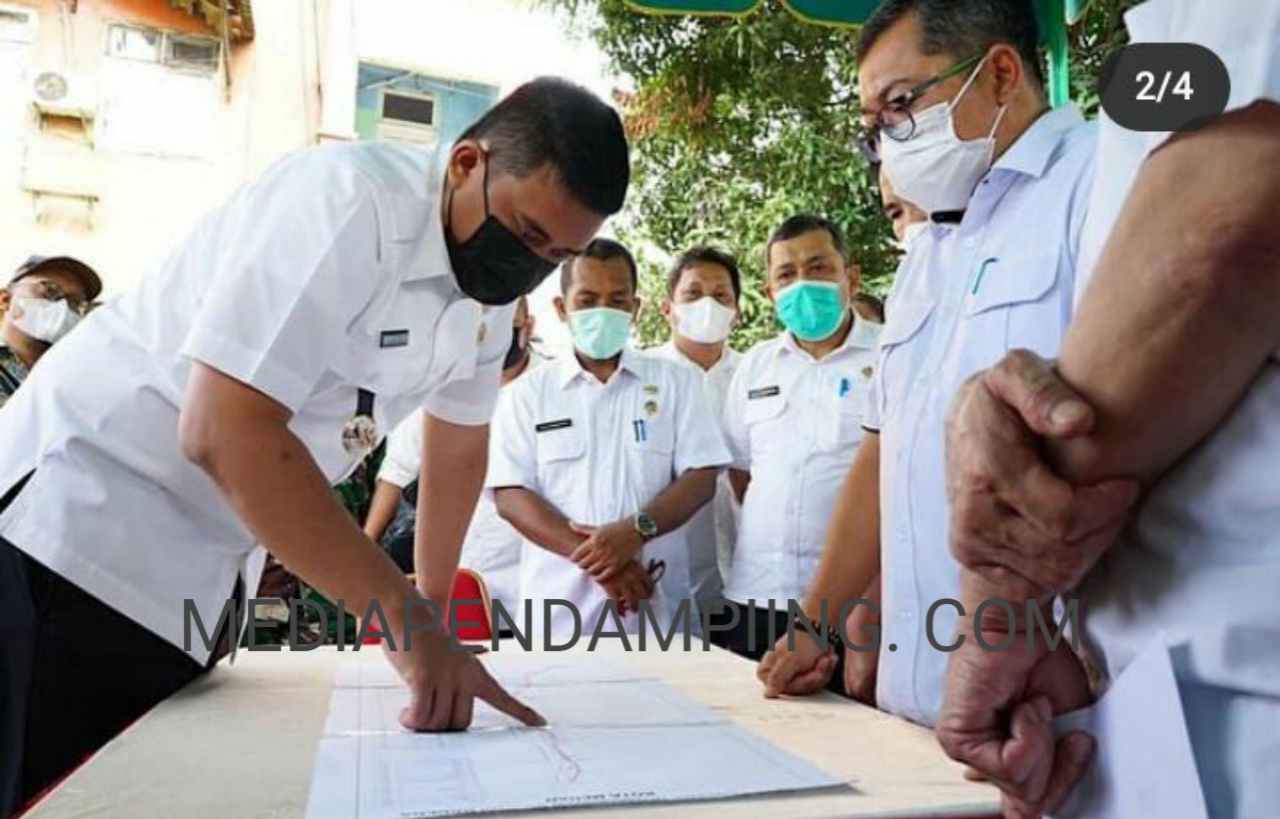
(737, 123)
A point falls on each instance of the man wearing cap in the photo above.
(45, 298)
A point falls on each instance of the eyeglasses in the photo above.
(895, 119)
(52, 291)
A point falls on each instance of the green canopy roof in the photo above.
(1054, 16)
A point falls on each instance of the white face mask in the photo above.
(705, 321)
(42, 320)
(935, 169)
(912, 232)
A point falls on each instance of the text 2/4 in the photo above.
(1154, 91)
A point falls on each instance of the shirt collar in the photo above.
(1031, 153)
(418, 217)
(671, 351)
(864, 335)
(570, 369)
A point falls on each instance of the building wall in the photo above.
(164, 146)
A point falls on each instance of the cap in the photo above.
(88, 277)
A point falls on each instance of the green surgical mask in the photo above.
(600, 333)
(812, 311)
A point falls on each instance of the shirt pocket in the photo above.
(897, 361)
(764, 419)
(652, 450)
(850, 411)
(1010, 304)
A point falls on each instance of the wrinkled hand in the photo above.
(799, 671)
(1025, 531)
(997, 718)
(444, 680)
(860, 667)
(628, 587)
(607, 549)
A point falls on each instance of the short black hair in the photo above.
(963, 28)
(601, 250)
(705, 255)
(874, 302)
(552, 121)
(801, 224)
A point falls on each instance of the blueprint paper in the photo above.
(1144, 764)
(618, 740)
(511, 667)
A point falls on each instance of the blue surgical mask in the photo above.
(600, 333)
(812, 311)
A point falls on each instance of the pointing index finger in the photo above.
(491, 692)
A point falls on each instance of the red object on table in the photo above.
(474, 616)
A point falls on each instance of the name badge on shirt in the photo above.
(764, 392)
(563, 423)
(393, 338)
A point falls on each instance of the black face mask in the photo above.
(494, 267)
(515, 354)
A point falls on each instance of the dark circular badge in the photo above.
(1164, 86)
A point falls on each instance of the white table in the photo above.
(239, 744)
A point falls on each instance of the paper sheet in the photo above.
(1144, 764)
(615, 737)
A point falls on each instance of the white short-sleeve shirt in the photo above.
(794, 422)
(599, 453)
(491, 547)
(713, 529)
(965, 295)
(328, 275)
(1201, 563)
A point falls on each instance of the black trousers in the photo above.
(755, 633)
(74, 673)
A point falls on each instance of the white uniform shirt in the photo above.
(1202, 561)
(794, 423)
(491, 546)
(713, 529)
(599, 453)
(1002, 278)
(327, 275)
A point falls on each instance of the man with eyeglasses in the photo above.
(954, 106)
(46, 297)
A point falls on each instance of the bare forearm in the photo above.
(454, 461)
(851, 551)
(540, 522)
(682, 499)
(382, 509)
(1180, 315)
(739, 480)
(292, 511)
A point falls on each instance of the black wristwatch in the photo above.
(646, 526)
(831, 634)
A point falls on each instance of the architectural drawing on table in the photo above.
(622, 738)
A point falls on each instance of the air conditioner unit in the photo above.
(406, 116)
(60, 94)
(391, 131)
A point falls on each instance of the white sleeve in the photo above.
(1245, 35)
(297, 261)
(403, 461)
(699, 441)
(871, 405)
(513, 452)
(471, 402)
(735, 428)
